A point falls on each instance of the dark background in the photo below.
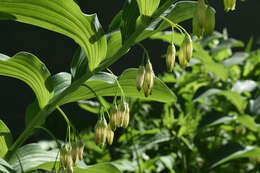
(56, 51)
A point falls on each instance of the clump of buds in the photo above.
(101, 131)
(80, 149)
(203, 19)
(170, 57)
(185, 51)
(229, 5)
(140, 78)
(148, 79)
(119, 115)
(66, 158)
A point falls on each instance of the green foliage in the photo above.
(211, 124)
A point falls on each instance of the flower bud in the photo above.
(210, 21)
(185, 51)
(74, 152)
(100, 132)
(140, 77)
(110, 135)
(170, 57)
(68, 158)
(199, 18)
(113, 117)
(126, 116)
(63, 152)
(229, 5)
(148, 79)
(80, 149)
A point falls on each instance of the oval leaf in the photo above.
(64, 17)
(104, 85)
(31, 70)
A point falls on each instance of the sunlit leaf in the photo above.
(64, 17)
(236, 99)
(246, 85)
(4, 164)
(114, 43)
(248, 121)
(232, 151)
(38, 156)
(31, 156)
(255, 106)
(104, 85)
(31, 70)
(79, 64)
(5, 139)
(147, 7)
(236, 59)
(98, 168)
(167, 37)
(218, 69)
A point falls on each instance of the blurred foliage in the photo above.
(213, 126)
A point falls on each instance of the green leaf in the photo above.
(31, 156)
(4, 166)
(232, 151)
(255, 106)
(64, 17)
(31, 70)
(248, 121)
(236, 59)
(218, 69)
(229, 43)
(128, 19)
(147, 7)
(38, 156)
(214, 118)
(98, 168)
(104, 85)
(177, 13)
(3, 169)
(91, 106)
(236, 99)
(5, 139)
(79, 64)
(31, 111)
(246, 85)
(114, 43)
(167, 37)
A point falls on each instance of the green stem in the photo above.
(145, 51)
(118, 84)
(66, 119)
(48, 109)
(101, 102)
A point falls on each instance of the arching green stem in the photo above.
(67, 121)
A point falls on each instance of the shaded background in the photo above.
(56, 51)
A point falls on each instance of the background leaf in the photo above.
(232, 151)
(64, 17)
